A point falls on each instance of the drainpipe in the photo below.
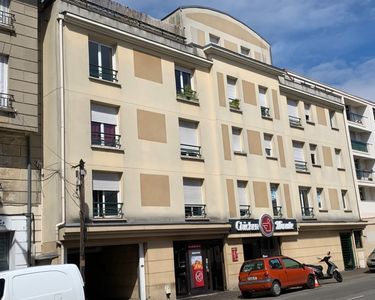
(60, 20)
(141, 274)
(29, 201)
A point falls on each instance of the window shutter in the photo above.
(242, 193)
(188, 133)
(236, 139)
(298, 151)
(104, 114)
(292, 108)
(267, 141)
(262, 97)
(231, 88)
(103, 181)
(192, 191)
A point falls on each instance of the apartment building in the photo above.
(199, 153)
(20, 149)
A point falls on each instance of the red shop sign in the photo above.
(234, 254)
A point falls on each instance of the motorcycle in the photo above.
(332, 271)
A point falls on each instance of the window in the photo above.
(6, 19)
(101, 61)
(277, 209)
(214, 39)
(314, 155)
(362, 194)
(358, 238)
(104, 131)
(307, 210)
(339, 162)
(193, 198)
(245, 51)
(105, 194)
(237, 141)
(308, 113)
(275, 263)
(189, 139)
(4, 251)
(344, 195)
(243, 198)
(234, 102)
(251, 265)
(320, 198)
(291, 263)
(268, 145)
(299, 156)
(6, 100)
(294, 119)
(332, 118)
(184, 85)
(264, 109)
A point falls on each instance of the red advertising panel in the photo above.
(234, 254)
(196, 262)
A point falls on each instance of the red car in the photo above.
(273, 274)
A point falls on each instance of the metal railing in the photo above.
(195, 211)
(190, 150)
(7, 19)
(300, 165)
(6, 101)
(359, 146)
(105, 209)
(105, 139)
(187, 94)
(295, 121)
(245, 211)
(364, 174)
(277, 211)
(353, 117)
(307, 212)
(265, 111)
(103, 73)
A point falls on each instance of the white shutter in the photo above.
(236, 139)
(3, 74)
(268, 141)
(292, 108)
(231, 88)
(262, 97)
(104, 114)
(242, 193)
(105, 181)
(298, 151)
(192, 191)
(188, 133)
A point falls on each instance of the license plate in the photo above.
(252, 278)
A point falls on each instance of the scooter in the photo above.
(332, 271)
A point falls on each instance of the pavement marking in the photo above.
(357, 297)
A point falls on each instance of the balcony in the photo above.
(364, 175)
(300, 165)
(193, 211)
(359, 146)
(265, 112)
(188, 95)
(277, 211)
(107, 209)
(7, 20)
(6, 102)
(234, 104)
(295, 121)
(105, 139)
(103, 73)
(356, 118)
(245, 211)
(192, 151)
(307, 212)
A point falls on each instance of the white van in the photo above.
(53, 282)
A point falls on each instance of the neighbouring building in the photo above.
(191, 140)
(20, 149)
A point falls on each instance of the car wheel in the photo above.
(337, 275)
(310, 283)
(276, 288)
(246, 295)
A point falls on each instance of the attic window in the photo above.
(214, 39)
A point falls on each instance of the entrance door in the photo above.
(347, 250)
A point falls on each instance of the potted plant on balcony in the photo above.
(234, 104)
(188, 93)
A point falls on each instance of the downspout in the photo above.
(60, 20)
(29, 201)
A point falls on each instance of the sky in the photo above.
(329, 41)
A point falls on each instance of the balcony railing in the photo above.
(300, 165)
(191, 150)
(6, 101)
(103, 73)
(107, 209)
(265, 111)
(307, 212)
(195, 211)
(245, 211)
(365, 175)
(277, 211)
(234, 104)
(359, 146)
(105, 139)
(295, 121)
(6, 19)
(187, 94)
(353, 117)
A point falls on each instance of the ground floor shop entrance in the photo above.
(261, 246)
(199, 267)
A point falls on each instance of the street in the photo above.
(358, 284)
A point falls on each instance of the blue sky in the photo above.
(330, 41)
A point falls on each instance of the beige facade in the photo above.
(181, 137)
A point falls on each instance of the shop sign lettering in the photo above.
(252, 226)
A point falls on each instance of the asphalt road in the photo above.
(357, 284)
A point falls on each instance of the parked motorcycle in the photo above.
(332, 271)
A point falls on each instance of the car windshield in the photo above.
(252, 265)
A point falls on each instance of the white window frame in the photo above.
(308, 113)
(262, 96)
(344, 199)
(314, 151)
(105, 114)
(302, 189)
(100, 64)
(4, 74)
(320, 198)
(298, 152)
(237, 140)
(268, 144)
(232, 88)
(188, 71)
(339, 160)
(333, 119)
(275, 197)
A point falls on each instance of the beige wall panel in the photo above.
(232, 267)
(275, 102)
(231, 199)
(228, 27)
(226, 142)
(151, 126)
(201, 37)
(221, 89)
(334, 199)
(260, 194)
(230, 46)
(148, 67)
(255, 143)
(327, 156)
(155, 190)
(257, 55)
(280, 146)
(249, 95)
(288, 201)
(321, 114)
